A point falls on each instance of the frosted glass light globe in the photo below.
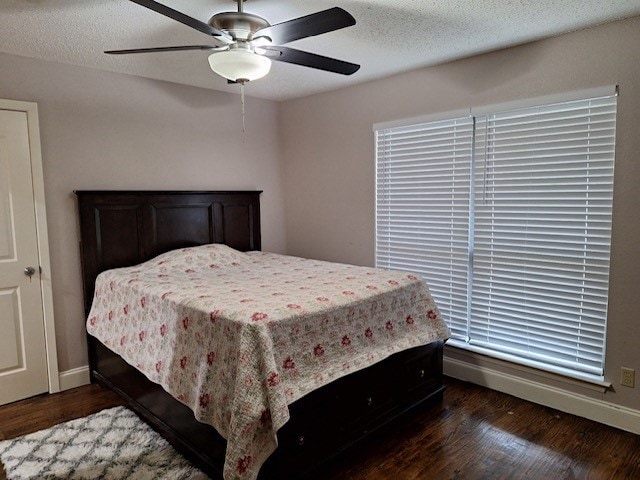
(239, 65)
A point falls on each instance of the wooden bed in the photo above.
(124, 228)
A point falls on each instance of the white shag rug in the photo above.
(113, 444)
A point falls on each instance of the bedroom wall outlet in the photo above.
(627, 377)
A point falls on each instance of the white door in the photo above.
(23, 364)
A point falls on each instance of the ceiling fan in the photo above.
(245, 44)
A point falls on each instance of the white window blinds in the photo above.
(518, 258)
(422, 209)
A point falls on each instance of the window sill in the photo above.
(482, 361)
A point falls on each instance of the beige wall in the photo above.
(327, 142)
(109, 131)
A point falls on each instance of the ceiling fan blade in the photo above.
(306, 59)
(163, 49)
(184, 19)
(308, 26)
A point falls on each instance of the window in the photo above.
(507, 216)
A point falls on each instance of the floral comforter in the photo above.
(239, 336)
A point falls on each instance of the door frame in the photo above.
(31, 109)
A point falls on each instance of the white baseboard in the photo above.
(76, 377)
(597, 410)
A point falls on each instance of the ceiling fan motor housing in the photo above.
(240, 25)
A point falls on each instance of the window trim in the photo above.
(494, 108)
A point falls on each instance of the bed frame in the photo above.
(124, 228)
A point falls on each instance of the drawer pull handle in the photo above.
(422, 373)
(369, 401)
(301, 440)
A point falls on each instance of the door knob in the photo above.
(29, 271)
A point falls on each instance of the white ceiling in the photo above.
(390, 36)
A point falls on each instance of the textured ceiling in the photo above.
(390, 36)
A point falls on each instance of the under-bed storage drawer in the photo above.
(385, 389)
(420, 371)
(367, 401)
(373, 397)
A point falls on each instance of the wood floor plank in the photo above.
(474, 434)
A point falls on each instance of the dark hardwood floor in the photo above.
(474, 433)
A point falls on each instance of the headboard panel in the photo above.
(124, 228)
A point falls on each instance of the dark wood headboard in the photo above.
(124, 228)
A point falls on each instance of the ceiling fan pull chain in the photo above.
(242, 100)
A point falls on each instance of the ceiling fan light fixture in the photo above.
(239, 65)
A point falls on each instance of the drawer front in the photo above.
(371, 395)
(311, 433)
(420, 371)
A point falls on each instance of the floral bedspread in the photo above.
(239, 336)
